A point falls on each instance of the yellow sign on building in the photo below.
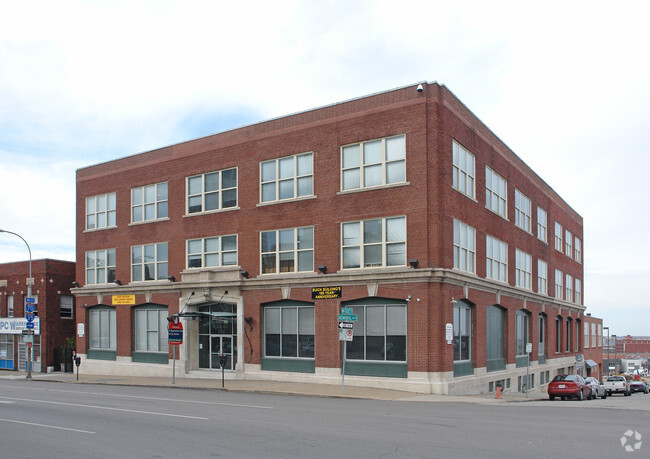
(123, 299)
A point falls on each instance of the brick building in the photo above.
(54, 322)
(452, 253)
(592, 348)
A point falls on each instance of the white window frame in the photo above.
(67, 308)
(578, 250)
(578, 298)
(523, 211)
(558, 237)
(300, 248)
(104, 336)
(586, 335)
(158, 261)
(102, 210)
(559, 286)
(464, 247)
(360, 165)
(201, 252)
(496, 259)
(150, 200)
(356, 248)
(523, 269)
(219, 191)
(107, 270)
(568, 243)
(279, 180)
(542, 277)
(542, 224)
(600, 335)
(10, 305)
(155, 339)
(464, 170)
(496, 192)
(569, 287)
(593, 334)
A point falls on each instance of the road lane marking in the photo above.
(106, 408)
(47, 426)
(162, 399)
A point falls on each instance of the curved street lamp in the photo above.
(29, 292)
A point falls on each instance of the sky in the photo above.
(564, 84)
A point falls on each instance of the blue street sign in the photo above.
(30, 307)
(29, 325)
(30, 300)
(29, 317)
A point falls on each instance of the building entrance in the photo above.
(217, 336)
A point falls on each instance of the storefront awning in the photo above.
(591, 363)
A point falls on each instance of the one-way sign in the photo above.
(346, 325)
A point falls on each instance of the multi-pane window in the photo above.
(287, 178)
(542, 224)
(374, 243)
(568, 241)
(523, 269)
(66, 306)
(212, 252)
(558, 237)
(496, 193)
(521, 332)
(149, 262)
(569, 287)
(464, 247)
(593, 335)
(463, 170)
(578, 299)
(373, 163)
(151, 329)
(289, 331)
(586, 335)
(379, 333)
(559, 284)
(600, 335)
(462, 331)
(542, 277)
(522, 211)
(212, 191)
(288, 250)
(102, 333)
(10, 305)
(578, 250)
(100, 211)
(100, 266)
(149, 202)
(496, 259)
(541, 334)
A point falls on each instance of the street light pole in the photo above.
(615, 358)
(29, 295)
(608, 345)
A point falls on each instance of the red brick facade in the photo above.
(430, 120)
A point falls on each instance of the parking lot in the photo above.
(637, 401)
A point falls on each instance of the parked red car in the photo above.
(571, 386)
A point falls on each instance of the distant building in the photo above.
(593, 347)
(54, 322)
(459, 265)
(632, 346)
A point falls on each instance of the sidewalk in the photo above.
(268, 387)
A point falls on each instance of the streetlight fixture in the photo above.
(29, 294)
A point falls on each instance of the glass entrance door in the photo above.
(217, 336)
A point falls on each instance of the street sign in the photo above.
(348, 317)
(28, 332)
(346, 335)
(30, 300)
(347, 311)
(449, 333)
(175, 332)
(346, 325)
(29, 325)
(30, 307)
(29, 317)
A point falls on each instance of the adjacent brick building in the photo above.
(54, 322)
(451, 252)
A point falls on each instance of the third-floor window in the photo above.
(373, 163)
(149, 202)
(100, 211)
(212, 191)
(287, 178)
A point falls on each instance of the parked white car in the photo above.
(597, 388)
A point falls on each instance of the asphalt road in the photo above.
(54, 420)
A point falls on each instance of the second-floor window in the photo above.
(374, 243)
(464, 247)
(100, 266)
(287, 178)
(542, 277)
(149, 202)
(524, 270)
(522, 211)
(569, 287)
(212, 252)
(149, 262)
(463, 170)
(288, 250)
(373, 163)
(578, 298)
(496, 193)
(213, 191)
(559, 284)
(100, 211)
(496, 259)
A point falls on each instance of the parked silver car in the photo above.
(597, 388)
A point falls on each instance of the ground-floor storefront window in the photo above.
(151, 336)
(102, 333)
(6, 352)
(289, 343)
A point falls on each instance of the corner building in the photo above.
(452, 253)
